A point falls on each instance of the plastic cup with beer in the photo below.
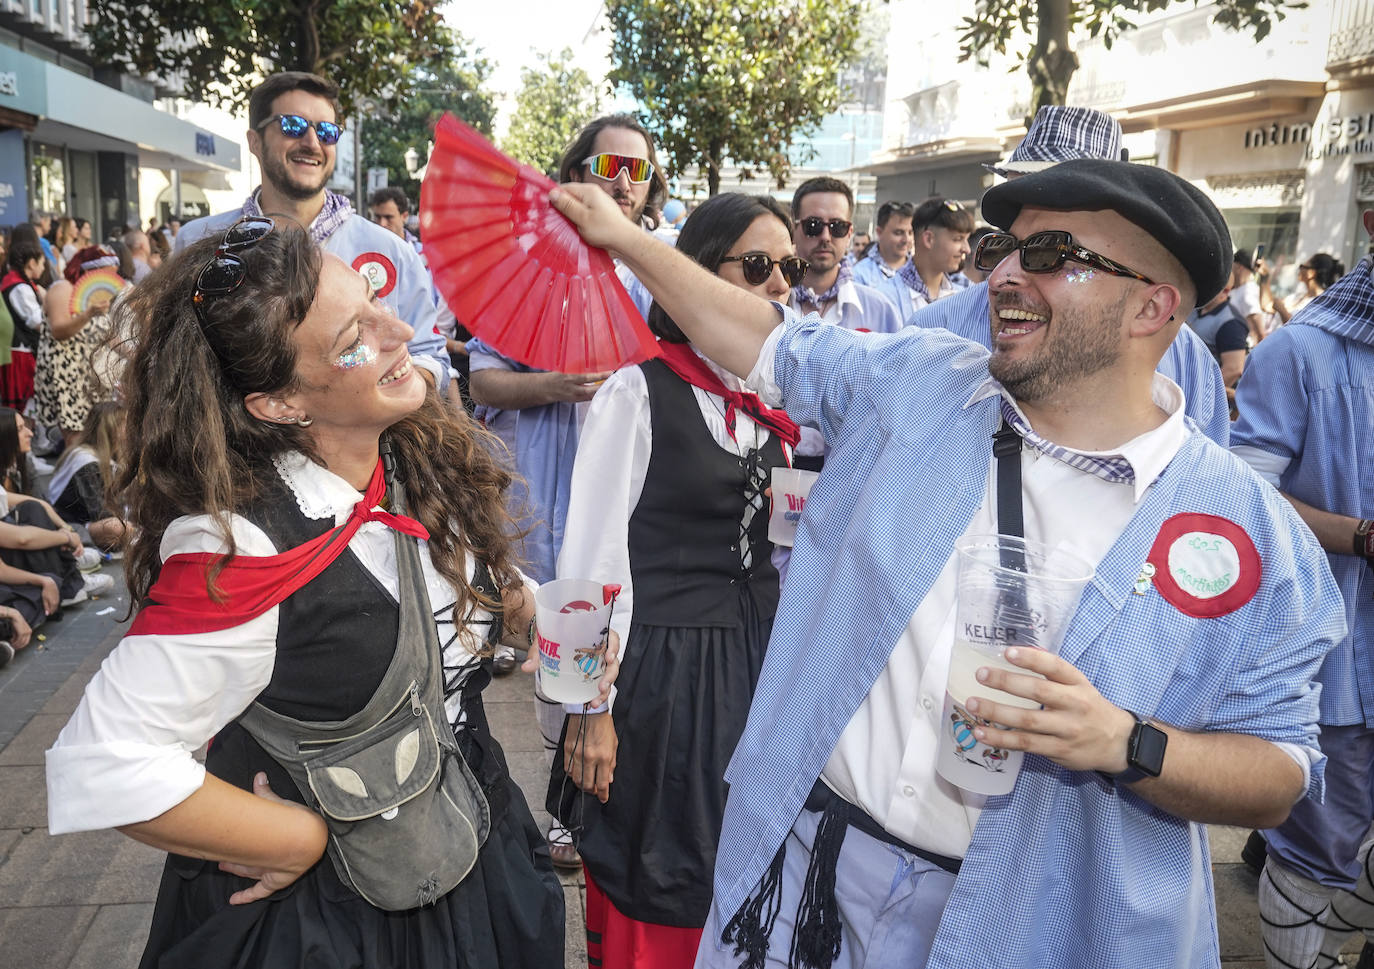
(1011, 592)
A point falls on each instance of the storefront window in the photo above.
(1277, 230)
(49, 179)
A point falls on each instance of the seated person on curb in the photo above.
(1182, 694)
(84, 472)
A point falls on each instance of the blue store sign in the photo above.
(14, 202)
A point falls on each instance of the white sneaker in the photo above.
(89, 560)
(6, 653)
(73, 600)
(97, 584)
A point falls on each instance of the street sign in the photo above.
(376, 178)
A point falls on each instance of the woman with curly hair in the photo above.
(265, 384)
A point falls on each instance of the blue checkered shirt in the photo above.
(872, 272)
(1109, 877)
(1307, 395)
(1187, 362)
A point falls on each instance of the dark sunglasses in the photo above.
(294, 126)
(758, 267)
(1045, 252)
(839, 228)
(225, 272)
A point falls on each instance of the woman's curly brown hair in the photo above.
(192, 448)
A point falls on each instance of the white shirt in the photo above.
(608, 478)
(884, 761)
(1246, 300)
(126, 754)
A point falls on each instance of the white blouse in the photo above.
(608, 478)
(126, 754)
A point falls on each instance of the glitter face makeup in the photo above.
(357, 356)
(1080, 275)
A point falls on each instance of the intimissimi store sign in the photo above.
(1327, 137)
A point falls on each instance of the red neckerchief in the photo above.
(683, 361)
(179, 602)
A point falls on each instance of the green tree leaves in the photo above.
(736, 79)
(217, 52)
(555, 100)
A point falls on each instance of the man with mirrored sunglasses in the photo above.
(538, 414)
(293, 132)
(1059, 133)
(1182, 692)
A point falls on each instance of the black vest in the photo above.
(684, 535)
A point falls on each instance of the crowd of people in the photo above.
(336, 472)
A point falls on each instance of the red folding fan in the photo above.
(514, 270)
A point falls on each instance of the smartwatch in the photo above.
(1364, 538)
(1144, 753)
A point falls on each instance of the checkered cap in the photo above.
(1059, 133)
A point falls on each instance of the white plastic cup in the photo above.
(572, 619)
(791, 486)
(1011, 592)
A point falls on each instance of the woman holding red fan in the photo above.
(668, 500)
(288, 590)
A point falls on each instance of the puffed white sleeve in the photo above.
(126, 754)
(608, 478)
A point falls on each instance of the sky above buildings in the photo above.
(510, 33)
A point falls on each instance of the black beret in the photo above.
(1177, 214)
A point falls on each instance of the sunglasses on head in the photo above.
(225, 272)
(607, 165)
(839, 228)
(758, 267)
(294, 126)
(1045, 252)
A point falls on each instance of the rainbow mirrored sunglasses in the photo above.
(607, 166)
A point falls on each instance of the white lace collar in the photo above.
(319, 492)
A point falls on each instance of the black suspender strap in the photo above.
(1006, 447)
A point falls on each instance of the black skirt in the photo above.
(683, 699)
(507, 913)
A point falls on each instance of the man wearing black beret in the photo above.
(1182, 694)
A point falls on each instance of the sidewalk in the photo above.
(83, 901)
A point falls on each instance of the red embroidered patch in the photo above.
(379, 270)
(1205, 566)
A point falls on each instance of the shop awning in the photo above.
(1232, 105)
(88, 115)
(931, 154)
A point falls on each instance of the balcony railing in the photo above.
(1352, 35)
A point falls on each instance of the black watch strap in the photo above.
(1144, 753)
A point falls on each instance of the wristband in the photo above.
(1364, 538)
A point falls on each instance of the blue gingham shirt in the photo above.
(1187, 362)
(872, 272)
(1110, 876)
(1307, 398)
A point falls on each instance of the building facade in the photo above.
(1279, 132)
(86, 141)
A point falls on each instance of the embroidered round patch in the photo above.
(1205, 566)
(379, 270)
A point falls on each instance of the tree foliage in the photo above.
(737, 80)
(456, 86)
(555, 100)
(216, 52)
(1051, 61)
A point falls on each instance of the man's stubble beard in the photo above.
(1079, 344)
(274, 171)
